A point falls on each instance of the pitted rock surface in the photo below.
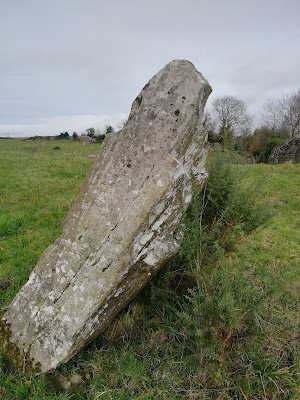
(123, 226)
(289, 151)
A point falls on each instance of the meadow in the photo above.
(240, 341)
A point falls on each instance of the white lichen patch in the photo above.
(66, 318)
(31, 278)
(34, 311)
(51, 294)
(188, 198)
(145, 238)
(151, 259)
(119, 291)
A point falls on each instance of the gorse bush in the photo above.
(220, 213)
(227, 313)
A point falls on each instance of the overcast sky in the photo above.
(73, 64)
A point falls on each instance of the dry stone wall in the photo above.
(289, 151)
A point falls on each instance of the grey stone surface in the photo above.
(289, 151)
(123, 226)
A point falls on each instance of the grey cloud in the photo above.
(90, 57)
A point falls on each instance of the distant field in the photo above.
(142, 355)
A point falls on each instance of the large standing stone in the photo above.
(122, 227)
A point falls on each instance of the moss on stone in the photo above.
(14, 358)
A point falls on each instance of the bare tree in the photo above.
(209, 124)
(290, 106)
(231, 117)
(90, 132)
(272, 115)
(283, 113)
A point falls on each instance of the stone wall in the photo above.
(288, 152)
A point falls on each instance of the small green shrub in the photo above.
(100, 138)
(272, 142)
(264, 140)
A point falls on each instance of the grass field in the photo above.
(148, 351)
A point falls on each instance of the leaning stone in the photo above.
(123, 226)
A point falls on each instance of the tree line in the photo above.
(229, 124)
(91, 132)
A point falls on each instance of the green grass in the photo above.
(37, 187)
(148, 352)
